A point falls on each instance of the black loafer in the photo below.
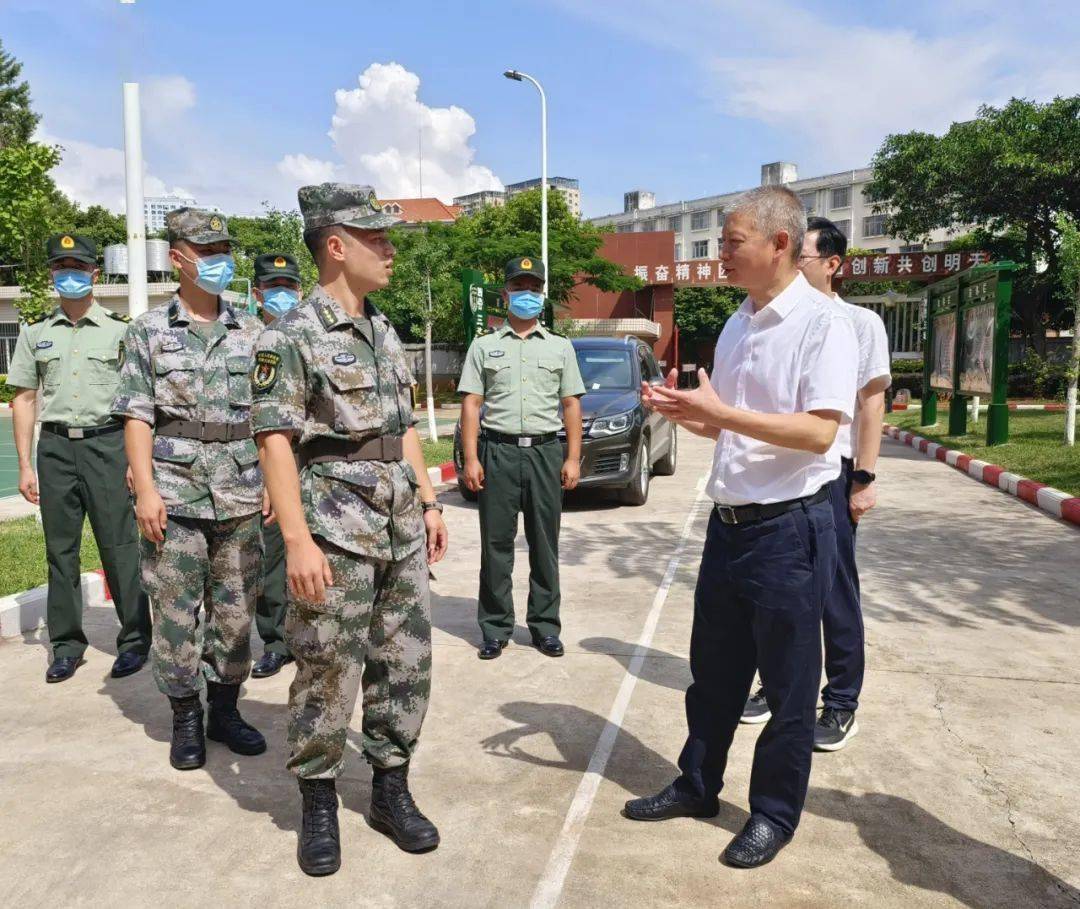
(128, 663)
(550, 646)
(269, 664)
(491, 649)
(670, 802)
(756, 845)
(62, 669)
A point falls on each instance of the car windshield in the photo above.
(603, 370)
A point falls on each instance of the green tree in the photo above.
(17, 119)
(276, 231)
(700, 312)
(1010, 173)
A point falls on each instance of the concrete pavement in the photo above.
(959, 791)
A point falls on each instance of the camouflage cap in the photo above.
(342, 203)
(523, 265)
(197, 225)
(276, 265)
(71, 246)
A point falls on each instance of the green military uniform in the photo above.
(272, 602)
(336, 382)
(522, 381)
(81, 464)
(189, 381)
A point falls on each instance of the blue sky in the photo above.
(683, 97)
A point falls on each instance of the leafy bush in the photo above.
(7, 392)
(1037, 377)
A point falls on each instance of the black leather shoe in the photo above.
(670, 802)
(757, 844)
(491, 649)
(62, 669)
(128, 663)
(269, 664)
(187, 751)
(225, 723)
(394, 812)
(550, 646)
(319, 849)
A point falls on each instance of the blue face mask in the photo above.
(213, 273)
(279, 300)
(526, 304)
(73, 283)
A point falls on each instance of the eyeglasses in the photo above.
(814, 257)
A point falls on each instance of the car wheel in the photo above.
(637, 493)
(665, 467)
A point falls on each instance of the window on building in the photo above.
(720, 216)
(675, 223)
(699, 249)
(699, 220)
(840, 197)
(913, 248)
(624, 228)
(678, 251)
(809, 201)
(878, 251)
(648, 227)
(844, 227)
(873, 226)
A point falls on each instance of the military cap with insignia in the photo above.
(71, 246)
(197, 225)
(342, 203)
(276, 265)
(523, 265)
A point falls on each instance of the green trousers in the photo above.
(529, 481)
(80, 478)
(270, 607)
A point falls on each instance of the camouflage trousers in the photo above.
(373, 630)
(214, 565)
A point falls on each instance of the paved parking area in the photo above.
(959, 791)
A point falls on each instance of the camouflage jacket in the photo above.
(170, 371)
(320, 374)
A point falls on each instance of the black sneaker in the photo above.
(756, 709)
(834, 729)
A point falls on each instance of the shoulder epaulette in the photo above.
(120, 316)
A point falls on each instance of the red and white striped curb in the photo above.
(444, 473)
(1048, 408)
(1052, 501)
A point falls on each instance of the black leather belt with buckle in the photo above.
(748, 514)
(325, 449)
(202, 431)
(80, 432)
(520, 441)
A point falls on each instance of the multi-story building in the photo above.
(156, 207)
(697, 223)
(414, 212)
(568, 188)
(473, 202)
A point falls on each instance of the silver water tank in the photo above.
(116, 259)
(157, 257)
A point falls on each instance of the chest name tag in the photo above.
(171, 347)
(497, 353)
(344, 359)
(44, 345)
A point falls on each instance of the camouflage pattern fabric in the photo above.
(215, 565)
(318, 373)
(174, 370)
(350, 204)
(196, 225)
(375, 608)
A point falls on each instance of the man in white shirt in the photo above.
(783, 383)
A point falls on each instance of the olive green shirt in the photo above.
(77, 366)
(522, 380)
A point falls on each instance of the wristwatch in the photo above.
(432, 506)
(863, 477)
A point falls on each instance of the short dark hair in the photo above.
(315, 240)
(830, 239)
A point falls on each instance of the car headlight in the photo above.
(612, 426)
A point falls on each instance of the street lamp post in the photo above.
(518, 76)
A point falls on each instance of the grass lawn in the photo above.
(1035, 448)
(22, 554)
(438, 452)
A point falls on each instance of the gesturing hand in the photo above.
(685, 405)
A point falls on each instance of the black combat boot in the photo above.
(226, 725)
(188, 748)
(394, 812)
(319, 849)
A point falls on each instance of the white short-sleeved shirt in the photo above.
(796, 355)
(874, 362)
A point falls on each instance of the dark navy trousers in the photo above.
(760, 594)
(845, 659)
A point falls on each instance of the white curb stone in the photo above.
(23, 612)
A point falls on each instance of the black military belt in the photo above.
(204, 432)
(324, 450)
(747, 514)
(80, 432)
(520, 441)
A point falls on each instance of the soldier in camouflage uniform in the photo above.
(360, 522)
(186, 396)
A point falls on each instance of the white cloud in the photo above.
(376, 130)
(164, 101)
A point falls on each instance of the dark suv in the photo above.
(622, 443)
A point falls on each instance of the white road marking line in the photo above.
(549, 889)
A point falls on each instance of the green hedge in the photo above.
(7, 392)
